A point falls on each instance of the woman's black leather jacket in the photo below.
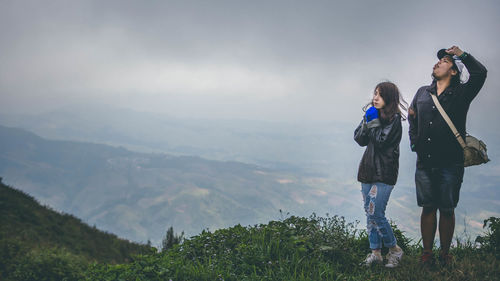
(380, 162)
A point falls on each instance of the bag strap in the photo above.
(448, 121)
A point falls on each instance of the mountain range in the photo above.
(136, 174)
(139, 195)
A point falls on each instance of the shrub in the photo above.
(491, 241)
(49, 264)
(294, 248)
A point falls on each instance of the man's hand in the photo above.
(454, 50)
(412, 112)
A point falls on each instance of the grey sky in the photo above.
(271, 60)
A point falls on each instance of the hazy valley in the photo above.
(255, 170)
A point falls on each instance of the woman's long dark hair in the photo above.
(394, 101)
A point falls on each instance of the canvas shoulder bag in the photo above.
(474, 149)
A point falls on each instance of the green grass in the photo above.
(295, 248)
(37, 243)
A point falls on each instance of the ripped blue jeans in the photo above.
(375, 197)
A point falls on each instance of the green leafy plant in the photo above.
(293, 248)
(491, 241)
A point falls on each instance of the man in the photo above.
(440, 169)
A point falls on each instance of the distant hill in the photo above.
(37, 227)
(295, 146)
(139, 195)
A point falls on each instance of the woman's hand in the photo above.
(371, 114)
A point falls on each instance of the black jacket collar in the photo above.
(433, 88)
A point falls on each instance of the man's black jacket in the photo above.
(380, 162)
(430, 135)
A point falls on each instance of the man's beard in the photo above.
(435, 77)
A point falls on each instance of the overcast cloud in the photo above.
(267, 60)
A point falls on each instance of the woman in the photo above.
(380, 131)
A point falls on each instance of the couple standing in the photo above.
(457, 79)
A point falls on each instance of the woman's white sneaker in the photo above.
(373, 258)
(393, 258)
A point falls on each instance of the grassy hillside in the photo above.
(37, 243)
(299, 248)
(35, 238)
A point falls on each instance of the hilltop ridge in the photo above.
(29, 232)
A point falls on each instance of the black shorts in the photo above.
(439, 187)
